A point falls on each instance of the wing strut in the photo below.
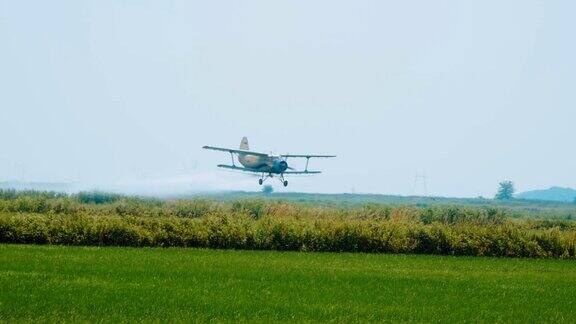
(232, 157)
(307, 160)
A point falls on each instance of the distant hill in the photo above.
(552, 194)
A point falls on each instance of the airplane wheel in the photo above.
(285, 183)
(260, 181)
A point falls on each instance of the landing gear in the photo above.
(262, 179)
(280, 178)
(284, 182)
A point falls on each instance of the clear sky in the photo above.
(126, 92)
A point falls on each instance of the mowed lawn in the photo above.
(57, 283)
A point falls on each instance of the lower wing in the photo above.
(233, 167)
(260, 170)
(302, 172)
(307, 156)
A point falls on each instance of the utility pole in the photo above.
(420, 179)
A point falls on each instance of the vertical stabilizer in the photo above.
(244, 144)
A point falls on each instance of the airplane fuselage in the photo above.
(270, 164)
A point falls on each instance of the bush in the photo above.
(288, 234)
(97, 197)
(108, 219)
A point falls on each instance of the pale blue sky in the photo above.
(126, 92)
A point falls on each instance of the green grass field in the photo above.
(57, 283)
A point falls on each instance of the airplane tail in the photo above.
(244, 144)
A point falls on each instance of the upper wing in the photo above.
(307, 156)
(234, 151)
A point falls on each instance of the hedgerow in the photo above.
(102, 219)
(240, 231)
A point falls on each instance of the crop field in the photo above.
(106, 257)
(515, 208)
(71, 284)
(99, 219)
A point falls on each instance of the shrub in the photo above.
(103, 219)
(274, 233)
(97, 197)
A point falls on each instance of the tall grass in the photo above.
(290, 234)
(105, 219)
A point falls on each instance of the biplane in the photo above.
(267, 165)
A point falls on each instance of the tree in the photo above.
(505, 191)
(267, 190)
